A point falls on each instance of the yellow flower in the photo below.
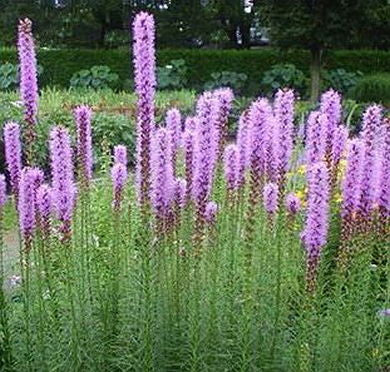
(301, 169)
(338, 198)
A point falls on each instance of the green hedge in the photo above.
(59, 65)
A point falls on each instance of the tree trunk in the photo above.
(315, 73)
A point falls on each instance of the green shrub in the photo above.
(8, 76)
(230, 79)
(173, 75)
(201, 63)
(284, 75)
(340, 79)
(372, 88)
(97, 77)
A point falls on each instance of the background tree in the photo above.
(317, 25)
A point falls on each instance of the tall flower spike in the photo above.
(190, 123)
(180, 192)
(270, 197)
(44, 205)
(145, 83)
(173, 124)
(351, 185)
(231, 165)
(162, 190)
(13, 154)
(27, 204)
(372, 119)
(316, 137)
(82, 115)
(3, 191)
(284, 114)
(244, 145)
(339, 142)
(331, 106)
(260, 113)
(120, 155)
(384, 189)
(188, 143)
(118, 179)
(64, 189)
(28, 79)
(314, 235)
(205, 150)
(273, 151)
(225, 97)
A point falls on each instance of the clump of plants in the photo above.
(268, 252)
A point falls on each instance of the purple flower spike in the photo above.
(211, 212)
(331, 106)
(316, 137)
(314, 235)
(44, 206)
(120, 155)
(351, 185)
(145, 83)
(188, 143)
(225, 97)
(27, 204)
(28, 73)
(270, 197)
(339, 142)
(82, 115)
(372, 119)
(13, 154)
(3, 191)
(162, 173)
(273, 151)
(244, 145)
(205, 150)
(118, 179)
(231, 165)
(293, 204)
(384, 188)
(180, 192)
(173, 124)
(64, 189)
(284, 114)
(260, 114)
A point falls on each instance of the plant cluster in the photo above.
(269, 252)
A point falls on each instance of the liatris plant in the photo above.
(28, 81)
(162, 190)
(330, 105)
(44, 208)
(27, 204)
(118, 179)
(173, 124)
(3, 191)
(314, 235)
(225, 97)
(384, 189)
(284, 115)
(273, 151)
(270, 200)
(316, 137)
(293, 204)
(64, 189)
(82, 115)
(120, 155)
(205, 153)
(13, 154)
(231, 166)
(145, 83)
(244, 146)
(371, 128)
(188, 144)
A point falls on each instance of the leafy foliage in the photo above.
(372, 88)
(340, 79)
(8, 76)
(230, 79)
(97, 77)
(173, 75)
(284, 75)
